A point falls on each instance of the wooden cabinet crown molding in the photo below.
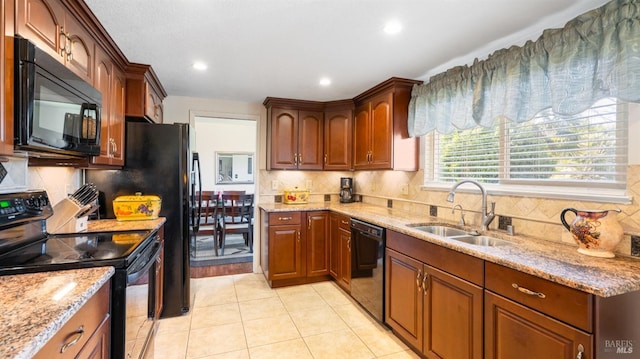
(390, 84)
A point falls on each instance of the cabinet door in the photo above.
(98, 346)
(102, 82)
(116, 120)
(42, 21)
(153, 104)
(334, 245)
(6, 79)
(286, 258)
(284, 138)
(317, 243)
(515, 331)
(345, 259)
(158, 283)
(310, 140)
(79, 49)
(381, 131)
(338, 130)
(452, 316)
(403, 297)
(362, 136)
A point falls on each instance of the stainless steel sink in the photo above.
(442, 231)
(481, 241)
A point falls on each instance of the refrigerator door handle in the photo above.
(196, 168)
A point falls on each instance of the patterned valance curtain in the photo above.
(567, 70)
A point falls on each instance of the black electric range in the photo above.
(26, 247)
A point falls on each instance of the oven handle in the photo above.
(132, 277)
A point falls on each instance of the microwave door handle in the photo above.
(84, 113)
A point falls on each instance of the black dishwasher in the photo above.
(367, 267)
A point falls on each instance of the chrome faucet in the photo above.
(487, 217)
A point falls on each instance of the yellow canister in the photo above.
(136, 207)
(296, 196)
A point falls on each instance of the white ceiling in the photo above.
(281, 48)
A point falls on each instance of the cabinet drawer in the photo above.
(89, 318)
(566, 304)
(280, 218)
(459, 264)
(344, 222)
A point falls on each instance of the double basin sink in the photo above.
(460, 235)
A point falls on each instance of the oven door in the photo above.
(141, 302)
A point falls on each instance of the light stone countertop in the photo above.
(109, 225)
(30, 312)
(557, 262)
(29, 317)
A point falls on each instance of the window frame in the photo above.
(592, 193)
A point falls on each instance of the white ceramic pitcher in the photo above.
(597, 232)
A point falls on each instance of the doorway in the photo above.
(227, 151)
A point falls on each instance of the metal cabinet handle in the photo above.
(285, 218)
(309, 222)
(298, 236)
(528, 291)
(344, 222)
(349, 244)
(425, 285)
(325, 158)
(580, 351)
(77, 336)
(419, 280)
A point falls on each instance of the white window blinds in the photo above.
(588, 149)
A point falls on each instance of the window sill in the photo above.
(599, 195)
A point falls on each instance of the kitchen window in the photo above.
(580, 157)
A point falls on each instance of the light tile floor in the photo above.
(239, 316)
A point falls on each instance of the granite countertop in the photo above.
(557, 262)
(32, 308)
(109, 225)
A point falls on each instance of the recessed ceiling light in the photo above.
(325, 81)
(201, 66)
(392, 27)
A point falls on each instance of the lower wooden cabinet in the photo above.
(514, 331)
(297, 247)
(439, 314)
(86, 334)
(340, 250)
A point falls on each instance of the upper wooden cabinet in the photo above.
(6, 78)
(338, 135)
(380, 135)
(53, 28)
(110, 81)
(294, 134)
(144, 93)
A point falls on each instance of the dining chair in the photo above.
(236, 218)
(210, 219)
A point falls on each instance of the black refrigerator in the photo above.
(158, 162)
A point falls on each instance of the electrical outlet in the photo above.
(433, 211)
(404, 189)
(274, 185)
(309, 184)
(373, 186)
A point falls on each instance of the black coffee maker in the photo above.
(346, 189)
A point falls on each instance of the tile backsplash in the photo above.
(533, 217)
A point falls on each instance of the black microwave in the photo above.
(57, 113)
